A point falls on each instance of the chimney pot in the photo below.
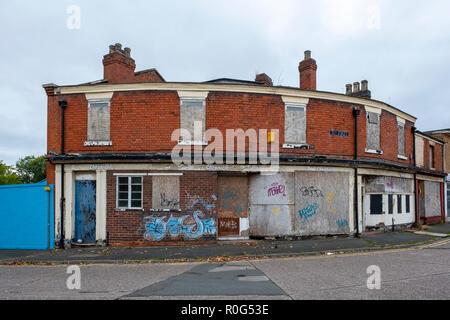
(127, 52)
(348, 88)
(307, 54)
(364, 85)
(355, 87)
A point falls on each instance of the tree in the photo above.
(31, 169)
(7, 175)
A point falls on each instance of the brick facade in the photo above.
(198, 193)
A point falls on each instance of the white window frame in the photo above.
(302, 106)
(96, 143)
(129, 207)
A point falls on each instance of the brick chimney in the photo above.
(118, 66)
(307, 69)
(360, 90)
(264, 79)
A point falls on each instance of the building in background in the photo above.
(444, 135)
(346, 161)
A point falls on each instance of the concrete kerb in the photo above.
(217, 259)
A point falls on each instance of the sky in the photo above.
(401, 47)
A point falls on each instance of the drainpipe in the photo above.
(416, 200)
(356, 113)
(62, 105)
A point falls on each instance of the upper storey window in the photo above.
(401, 139)
(294, 123)
(432, 163)
(373, 131)
(192, 117)
(98, 126)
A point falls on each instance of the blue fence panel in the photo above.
(27, 216)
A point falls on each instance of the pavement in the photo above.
(221, 251)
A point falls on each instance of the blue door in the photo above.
(85, 211)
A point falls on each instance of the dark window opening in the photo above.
(408, 204)
(391, 203)
(399, 204)
(376, 204)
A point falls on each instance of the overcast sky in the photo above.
(401, 47)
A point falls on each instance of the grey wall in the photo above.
(381, 184)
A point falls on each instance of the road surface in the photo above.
(419, 273)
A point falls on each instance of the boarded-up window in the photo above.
(98, 120)
(401, 139)
(295, 124)
(373, 131)
(192, 111)
(431, 156)
(376, 204)
(166, 192)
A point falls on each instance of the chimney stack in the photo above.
(307, 69)
(118, 66)
(359, 90)
(264, 79)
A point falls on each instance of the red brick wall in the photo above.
(143, 121)
(197, 193)
(438, 150)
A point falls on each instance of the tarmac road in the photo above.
(415, 273)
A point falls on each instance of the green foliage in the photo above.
(7, 175)
(31, 169)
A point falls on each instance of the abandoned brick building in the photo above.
(347, 163)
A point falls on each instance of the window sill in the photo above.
(128, 209)
(192, 143)
(295, 146)
(165, 210)
(374, 151)
(97, 143)
(402, 157)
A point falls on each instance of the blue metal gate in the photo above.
(26, 216)
(85, 211)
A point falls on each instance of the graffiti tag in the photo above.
(157, 228)
(330, 199)
(309, 211)
(342, 223)
(167, 202)
(276, 189)
(311, 192)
